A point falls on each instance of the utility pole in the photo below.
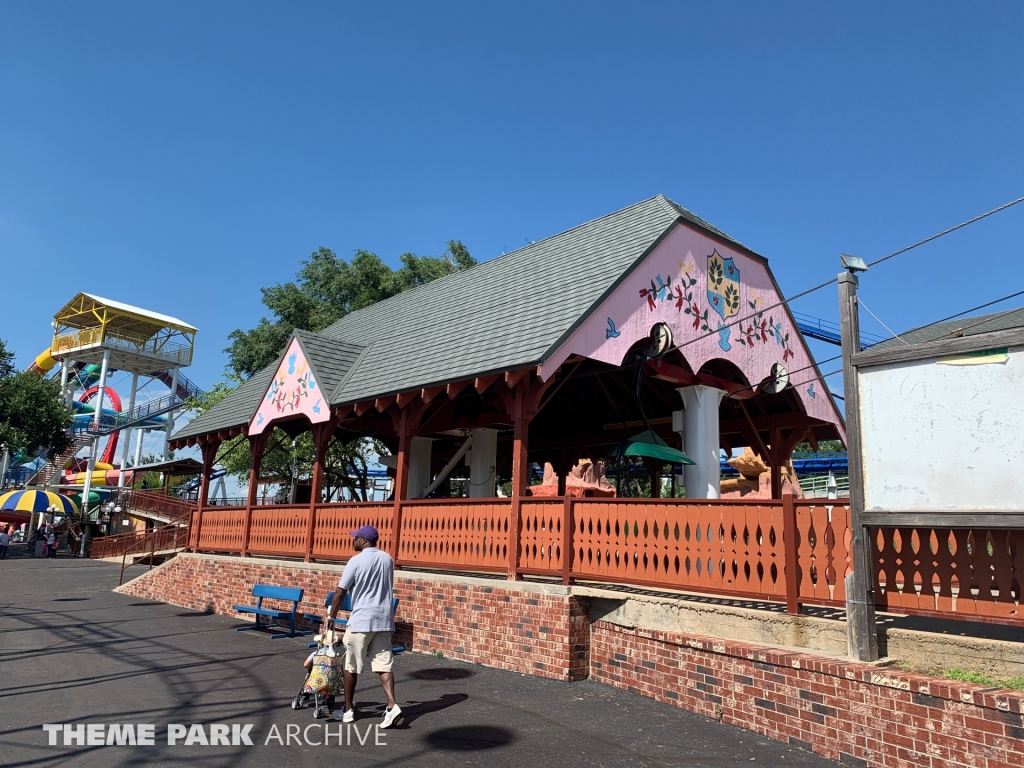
(861, 630)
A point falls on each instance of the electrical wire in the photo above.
(947, 231)
(987, 319)
(879, 321)
(815, 364)
(901, 251)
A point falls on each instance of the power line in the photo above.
(921, 328)
(901, 251)
(815, 364)
(890, 330)
(947, 231)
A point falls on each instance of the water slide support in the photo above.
(67, 384)
(170, 417)
(128, 437)
(101, 390)
(87, 486)
(140, 436)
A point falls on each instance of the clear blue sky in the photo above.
(180, 155)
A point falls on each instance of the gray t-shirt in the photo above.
(369, 576)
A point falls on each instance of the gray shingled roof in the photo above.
(962, 326)
(234, 410)
(506, 313)
(332, 360)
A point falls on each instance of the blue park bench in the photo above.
(284, 594)
(339, 623)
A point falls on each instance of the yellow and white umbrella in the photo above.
(37, 501)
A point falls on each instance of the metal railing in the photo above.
(172, 353)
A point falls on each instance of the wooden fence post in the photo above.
(789, 536)
(861, 629)
(322, 434)
(256, 446)
(567, 525)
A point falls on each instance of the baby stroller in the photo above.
(324, 677)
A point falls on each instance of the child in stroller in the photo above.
(324, 675)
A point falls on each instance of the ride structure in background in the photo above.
(94, 337)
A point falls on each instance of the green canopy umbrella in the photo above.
(94, 499)
(651, 446)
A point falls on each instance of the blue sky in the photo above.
(179, 156)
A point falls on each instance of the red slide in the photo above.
(115, 403)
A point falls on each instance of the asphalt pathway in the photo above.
(72, 651)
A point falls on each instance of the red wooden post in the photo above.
(521, 425)
(256, 445)
(777, 458)
(322, 434)
(567, 525)
(401, 480)
(209, 451)
(789, 537)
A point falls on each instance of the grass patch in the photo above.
(967, 676)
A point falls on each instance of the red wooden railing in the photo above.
(165, 537)
(279, 530)
(469, 536)
(970, 573)
(792, 551)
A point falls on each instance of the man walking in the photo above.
(5, 542)
(369, 576)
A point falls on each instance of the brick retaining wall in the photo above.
(855, 713)
(534, 629)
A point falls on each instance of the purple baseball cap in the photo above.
(367, 532)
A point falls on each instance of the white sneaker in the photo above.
(391, 716)
(348, 717)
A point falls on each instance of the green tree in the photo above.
(824, 446)
(326, 289)
(32, 410)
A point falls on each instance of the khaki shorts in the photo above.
(359, 645)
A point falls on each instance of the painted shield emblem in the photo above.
(723, 286)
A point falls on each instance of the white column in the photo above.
(419, 466)
(126, 435)
(68, 377)
(700, 405)
(482, 462)
(87, 485)
(170, 416)
(140, 436)
(102, 389)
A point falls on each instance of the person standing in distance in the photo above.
(369, 576)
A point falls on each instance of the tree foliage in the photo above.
(32, 411)
(325, 289)
(824, 446)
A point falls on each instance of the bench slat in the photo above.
(277, 593)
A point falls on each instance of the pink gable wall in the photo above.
(672, 286)
(293, 390)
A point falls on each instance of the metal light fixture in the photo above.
(852, 263)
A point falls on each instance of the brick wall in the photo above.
(855, 713)
(528, 628)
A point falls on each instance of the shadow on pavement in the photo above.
(470, 737)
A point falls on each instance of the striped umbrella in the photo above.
(37, 501)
